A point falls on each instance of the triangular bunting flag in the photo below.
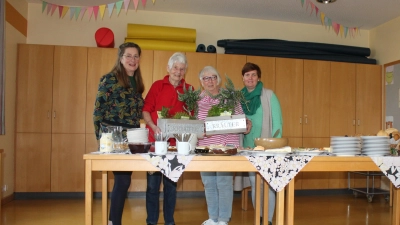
(135, 3)
(110, 8)
(95, 11)
(346, 29)
(312, 7)
(118, 6)
(144, 3)
(48, 8)
(77, 12)
(126, 5)
(82, 13)
(302, 3)
(316, 11)
(154, 1)
(307, 4)
(60, 10)
(322, 15)
(64, 11)
(336, 27)
(90, 11)
(341, 30)
(44, 4)
(53, 8)
(71, 12)
(102, 8)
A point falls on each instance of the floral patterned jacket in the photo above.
(117, 105)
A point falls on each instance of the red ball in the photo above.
(104, 38)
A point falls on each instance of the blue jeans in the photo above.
(219, 194)
(271, 196)
(153, 202)
(122, 181)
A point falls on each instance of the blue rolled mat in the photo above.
(211, 49)
(201, 48)
(338, 49)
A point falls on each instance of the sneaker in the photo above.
(210, 222)
(222, 223)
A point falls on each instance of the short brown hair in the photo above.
(249, 67)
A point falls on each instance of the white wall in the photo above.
(385, 41)
(46, 29)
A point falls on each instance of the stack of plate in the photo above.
(375, 145)
(138, 135)
(345, 146)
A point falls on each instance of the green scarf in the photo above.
(253, 99)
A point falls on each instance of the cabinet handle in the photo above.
(306, 120)
(301, 120)
(54, 114)
(48, 114)
(354, 122)
(358, 122)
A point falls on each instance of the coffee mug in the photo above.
(183, 148)
(161, 147)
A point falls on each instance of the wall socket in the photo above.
(5, 188)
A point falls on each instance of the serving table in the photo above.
(337, 164)
(284, 209)
(135, 162)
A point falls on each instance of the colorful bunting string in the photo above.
(79, 12)
(328, 23)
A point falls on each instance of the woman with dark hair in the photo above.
(264, 110)
(119, 102)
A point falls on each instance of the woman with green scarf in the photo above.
(264, 110)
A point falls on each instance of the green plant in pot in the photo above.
(190, 97)
(228, 97)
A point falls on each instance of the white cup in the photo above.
(183, 148)
(161, 147)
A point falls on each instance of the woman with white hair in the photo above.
(163, 93)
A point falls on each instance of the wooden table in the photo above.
(328, 164)
(105, 163)
(284, 211)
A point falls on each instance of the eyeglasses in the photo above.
(206, 79)
(132, 57)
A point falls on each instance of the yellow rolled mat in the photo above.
(141, 31)
(163, 45)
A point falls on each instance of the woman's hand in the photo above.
(249, 124)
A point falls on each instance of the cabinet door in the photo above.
(146, 68)
(67, 166)
(196, 62)
(34, 88)
(69, 89)
(343, 99)
(289, 90)
(316, 98)
(267, 67)
(231, 66)
(369, 82)
(160, 64)
(100, 62)
(32, 160)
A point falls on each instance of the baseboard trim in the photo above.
(180, 194)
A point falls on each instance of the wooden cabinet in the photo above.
(63, 114)
(57, 86)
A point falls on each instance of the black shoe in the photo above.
(150, 224)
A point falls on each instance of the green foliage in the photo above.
(190, 97)
(216, 110)
(179, 115)
(165, 112)
(228, 99)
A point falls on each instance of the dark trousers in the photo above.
(122, 181)
(153, 202)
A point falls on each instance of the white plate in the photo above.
(348, 153)
(374, 137)
(375, 149)
(375, 141)
(378, 154)
(336, 138)
(375, 145)
(386, 151)
(346, 145)
(344, 149)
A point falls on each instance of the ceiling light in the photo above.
(326, 1)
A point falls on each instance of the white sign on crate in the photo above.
(179, 126)
(225, 124)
